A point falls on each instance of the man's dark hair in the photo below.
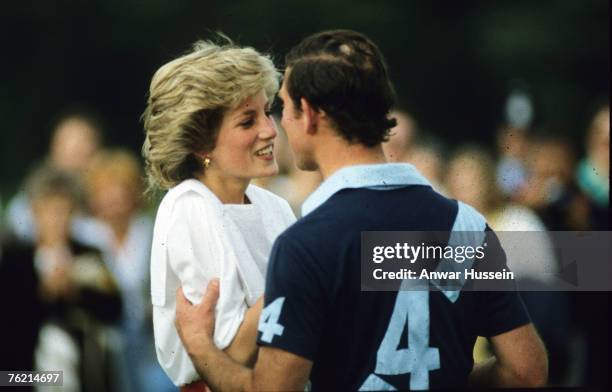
(343, 73)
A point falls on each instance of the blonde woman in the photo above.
(114, 187)
(208, 134)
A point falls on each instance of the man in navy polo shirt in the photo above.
(317, 324)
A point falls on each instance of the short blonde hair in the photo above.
(115, 165)
(187, 100)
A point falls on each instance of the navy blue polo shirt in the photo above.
(314, 306)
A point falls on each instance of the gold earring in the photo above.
(206, 162)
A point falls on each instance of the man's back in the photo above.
(374, 340)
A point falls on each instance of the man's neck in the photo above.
(338, 154)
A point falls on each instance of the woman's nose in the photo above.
(269, 129)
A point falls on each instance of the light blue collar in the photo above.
(382, 176)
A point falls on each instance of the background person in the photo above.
(80, 296)
(471, 179)
(76, 136)
(24, 312)
(114, 188)
(593, 171)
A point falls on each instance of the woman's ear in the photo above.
(202, 155)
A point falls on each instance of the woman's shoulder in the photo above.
(185, 204)
(188, 194)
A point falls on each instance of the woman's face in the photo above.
(52, 215)
(113, 200)
(245, 144)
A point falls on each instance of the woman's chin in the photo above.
(269, 171)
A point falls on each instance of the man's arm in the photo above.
(520, 361)
(274, 370)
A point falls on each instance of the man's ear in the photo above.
(311, 116)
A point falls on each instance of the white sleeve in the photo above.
(190, 264)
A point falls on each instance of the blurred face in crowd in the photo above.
(512, 142)
(113, 200)
(52, 215)
(74, 143)
(293, 123)
(400, 138)
(599, 140)
(552, 160)
(245, 144)
(465, 181)
(428, 162)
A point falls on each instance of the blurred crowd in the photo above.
(74, 266)
(74, 253)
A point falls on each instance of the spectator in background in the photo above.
(398, 147)
(114, 190)
(550, 189)
(592, 176)
(471, 179)
(406, 144)
(75, 138)
(79, 293)
(593, 171)
(427, 155)
(512, 146)
(20, 304)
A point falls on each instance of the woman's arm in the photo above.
(184, 259)
(243, 348)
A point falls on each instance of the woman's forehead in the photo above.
(255, 101)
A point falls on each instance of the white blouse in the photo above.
(197, 238)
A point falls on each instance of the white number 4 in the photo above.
(418, 359)
(268, 321)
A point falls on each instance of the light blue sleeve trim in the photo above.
(468, 230)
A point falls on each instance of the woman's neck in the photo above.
(228, 190)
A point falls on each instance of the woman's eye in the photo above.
(247, 124)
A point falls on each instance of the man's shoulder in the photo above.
(351, 211)
(367, 206)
